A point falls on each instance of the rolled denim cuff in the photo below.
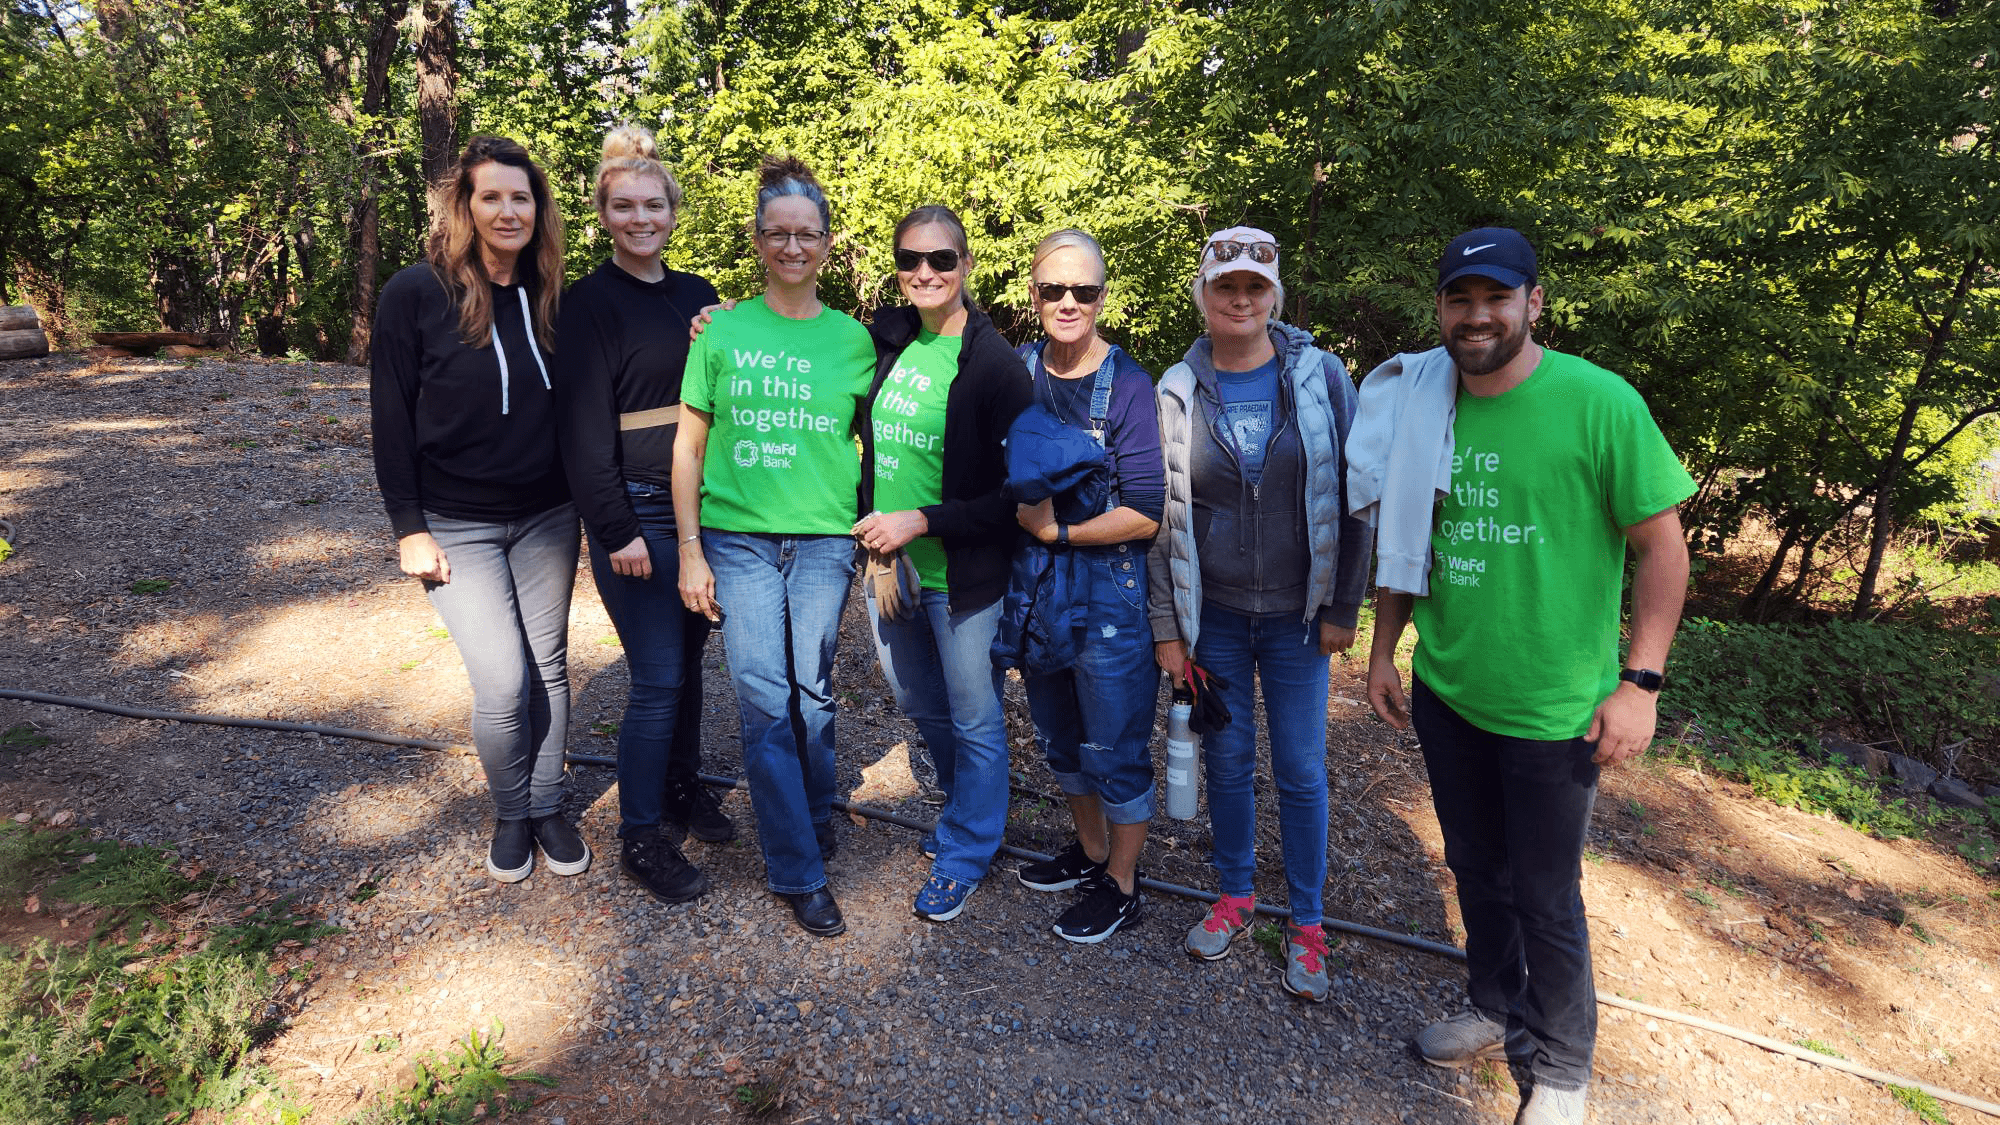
(1138, 810)
(1072, 784)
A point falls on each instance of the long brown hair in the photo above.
(454, 245)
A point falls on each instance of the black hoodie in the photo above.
(463, 432)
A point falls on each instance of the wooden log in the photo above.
(103, 351)
(154, 341)
(25, 344)
(18, 318)
(183, 351)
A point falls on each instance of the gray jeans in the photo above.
(507, 607)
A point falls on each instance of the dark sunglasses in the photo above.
(1230, 251)
(943, 261)
(1085, 294)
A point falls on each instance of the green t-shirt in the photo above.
(908, 417)
(783, 393)
(1520, 632)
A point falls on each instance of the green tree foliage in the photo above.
(1777, 217)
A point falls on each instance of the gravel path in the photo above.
(246, 485)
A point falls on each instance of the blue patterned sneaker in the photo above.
(942, 898)
(928, 845)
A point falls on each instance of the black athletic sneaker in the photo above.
(652, 861)
(695, 806)
(511, 856)
(561, 846)
(1067, 869)
(1100, 912)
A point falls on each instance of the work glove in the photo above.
(1210, 713)
(893, 578)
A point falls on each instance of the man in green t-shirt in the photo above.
(1555, 467)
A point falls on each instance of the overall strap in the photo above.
(1100, 414)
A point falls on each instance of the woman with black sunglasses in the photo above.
(1095, 718)
(940, 535)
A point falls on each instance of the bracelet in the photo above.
(1062, 534)
(690, 539)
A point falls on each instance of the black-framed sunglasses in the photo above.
(1226, 251)
(943, 261)
(1085, 294)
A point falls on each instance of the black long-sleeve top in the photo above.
(467, 433)
(622, 344)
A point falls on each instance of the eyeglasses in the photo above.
(807, 239)
(943, 261)
(1085, 294)
(1230, 251)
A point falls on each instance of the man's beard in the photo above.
(1488, 358)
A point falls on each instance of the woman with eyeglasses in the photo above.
(624, 335)
(765, 485)
(1095, 718)
(946, 389)
(466, 456)
(1257, 575)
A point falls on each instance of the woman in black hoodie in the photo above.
(465, 453)
(946, 389)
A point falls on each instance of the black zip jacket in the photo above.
(621, 346)
(974, 520)
(464, 432)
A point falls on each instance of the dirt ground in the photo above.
(205, 536)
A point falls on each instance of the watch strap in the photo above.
(1646, 679)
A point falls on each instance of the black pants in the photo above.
(1514, 812)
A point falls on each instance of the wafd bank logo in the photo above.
(745, 453)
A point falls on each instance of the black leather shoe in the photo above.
(828, 840)
(816, 911)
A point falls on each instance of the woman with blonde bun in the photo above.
(624, 334)
(766, 479)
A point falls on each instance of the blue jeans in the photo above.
(940, 666)
(781, 598)
(1095, 718)
(1283, 652)
(507, 609)
(1514, 813)
(660, 734)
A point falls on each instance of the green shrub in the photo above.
(1787, 684)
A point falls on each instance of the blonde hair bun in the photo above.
(630, 142)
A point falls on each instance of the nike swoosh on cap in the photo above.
(1471, 250)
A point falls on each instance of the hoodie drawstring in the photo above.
(527, 326)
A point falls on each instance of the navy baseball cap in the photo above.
(1500, 253)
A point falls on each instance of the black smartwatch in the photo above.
(1062, 535)
(1645, 678)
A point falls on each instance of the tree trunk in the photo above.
(437, 87)
(1756, 604)
(1894, 466)
(19, 318)
(26, 343)
(383, 36)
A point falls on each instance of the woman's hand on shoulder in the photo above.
(420, 557)
(698, 323)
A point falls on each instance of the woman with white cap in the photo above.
(1258, 574)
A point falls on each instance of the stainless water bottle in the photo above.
(1183, 745)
